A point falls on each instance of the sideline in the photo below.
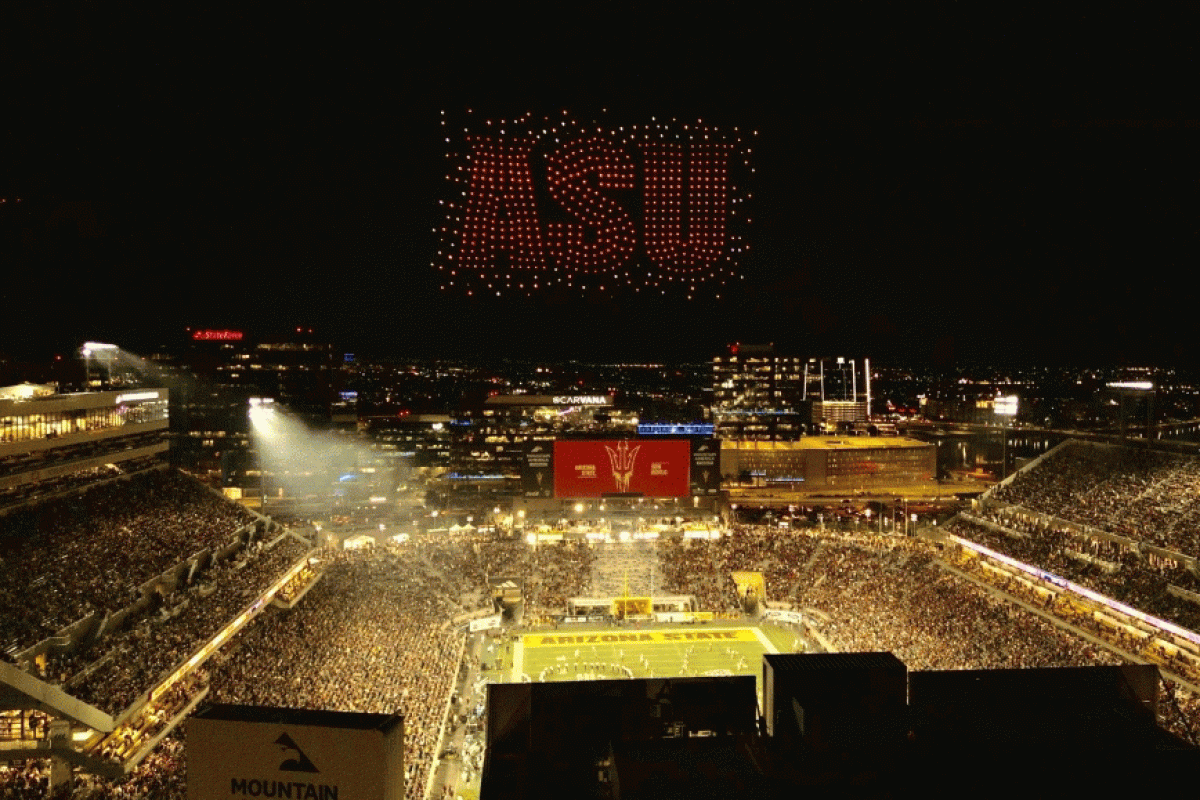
(518, 659)
(435, 758)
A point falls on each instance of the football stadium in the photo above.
(151, 621)
(647, 403)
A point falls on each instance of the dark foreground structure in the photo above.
(833, 725)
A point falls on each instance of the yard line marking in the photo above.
(766, 643)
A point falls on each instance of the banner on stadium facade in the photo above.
(779, 615)
(485, 623)
(537, 469)
(250, 751)
(706, 467)
(750, 585)
(506, 588)
(649, 468)
(641, 637)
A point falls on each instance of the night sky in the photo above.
(928, 191)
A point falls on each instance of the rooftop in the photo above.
(828, 443)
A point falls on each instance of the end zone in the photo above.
(641, 637)
(635, 639)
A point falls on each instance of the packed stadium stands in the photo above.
(1108, 568)
(882, 593)
(369, 637)
(68, 557)
(1147, 495)
(161, 776)
(375, 633)
(132, 660)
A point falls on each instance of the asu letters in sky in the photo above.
(542, 203)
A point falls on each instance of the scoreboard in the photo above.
(638, 467)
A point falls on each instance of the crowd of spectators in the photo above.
(369, 638)
(621, 567)
(65, 558)
(134, 660)
(1179, 711)
(1079, 612)
(561, 572)
(374, 635)
(879, 593)
(161, 776)
(27, 781)
(1146, 495)
(702, 567)
(17, 463)
(1105, 566)
(140, 729)
(50, 486)
(888, 593)
(551, 573)
(297, 583)
(61, 485)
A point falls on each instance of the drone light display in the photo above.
(542, 204)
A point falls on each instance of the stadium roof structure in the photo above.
(19, 689)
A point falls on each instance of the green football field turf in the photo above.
(569, 655)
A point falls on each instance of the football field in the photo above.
(613, 653)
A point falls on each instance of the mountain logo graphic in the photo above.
(300, 763)
(537, 449)
(509, 585)
(703, 447)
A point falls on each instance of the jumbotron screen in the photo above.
(596, 468)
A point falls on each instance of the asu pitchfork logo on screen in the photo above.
(657, 468)
(622, 460)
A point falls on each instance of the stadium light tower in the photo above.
(260, 407)
(107, 352)
(262, 414)
(92, 347)
(1135, 392)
